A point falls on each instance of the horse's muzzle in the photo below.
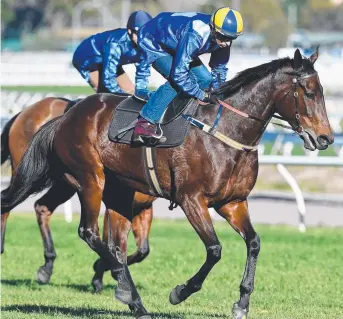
(313, 142)
(324, 141)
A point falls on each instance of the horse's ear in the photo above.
(298, 60)
(314, 56)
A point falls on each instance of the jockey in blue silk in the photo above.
(100, 57)
(172, 43)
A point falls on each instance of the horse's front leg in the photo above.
(197, 213)
(238, 216)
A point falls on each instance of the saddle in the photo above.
(174, 126)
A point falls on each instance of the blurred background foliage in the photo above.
(47, 23)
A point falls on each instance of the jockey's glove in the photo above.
(210, 98)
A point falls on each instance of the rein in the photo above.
(298, 128)
(246, 115)
(212, 130)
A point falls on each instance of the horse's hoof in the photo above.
(123, 295)
(43, 277)
(132, 308)
(97, 286)
(239, 313)
(174, 297)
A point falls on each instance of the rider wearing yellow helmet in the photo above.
(227, 24)
(173, 42)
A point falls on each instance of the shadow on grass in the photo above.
(17, 282)
(30, 283)
(94, 313)
(83, 287)
(77, 287)
(89, 312)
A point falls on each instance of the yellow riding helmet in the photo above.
(228, 22)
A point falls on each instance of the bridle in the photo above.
(247, 148)
(295, 81)
(296, 128)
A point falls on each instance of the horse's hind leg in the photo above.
(238, 216)
(118, 201)
(44, 207)
(101, 265)
(141, 224)
(4, 216)
(91, 194)
(197, 213)
(141, 227)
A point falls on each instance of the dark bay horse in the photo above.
(203, 172)
(15, 138)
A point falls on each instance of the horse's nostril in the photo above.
(324, 140)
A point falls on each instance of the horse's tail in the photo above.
(5, 149)
(34, 172)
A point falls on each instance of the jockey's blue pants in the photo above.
(159, 100)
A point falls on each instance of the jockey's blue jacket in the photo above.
(184, 36)
(111, 49)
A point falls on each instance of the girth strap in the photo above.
(148, 155)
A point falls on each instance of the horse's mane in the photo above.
(259, 72)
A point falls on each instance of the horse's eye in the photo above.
(310, 95)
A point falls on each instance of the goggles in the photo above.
(223, 38)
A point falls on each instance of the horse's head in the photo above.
(300, 101)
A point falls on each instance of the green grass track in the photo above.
(298, 275)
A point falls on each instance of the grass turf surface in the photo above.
(298, 275)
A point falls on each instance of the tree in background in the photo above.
(274, 19)
(323, 15)
(260, 16)
(19, 17)
(316, 15)
(266, 17)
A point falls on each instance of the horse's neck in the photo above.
(255, 99)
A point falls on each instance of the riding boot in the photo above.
(145, 133)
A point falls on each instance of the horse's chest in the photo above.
(238, 179)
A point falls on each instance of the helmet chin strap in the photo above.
(213, 33)
(130, 33)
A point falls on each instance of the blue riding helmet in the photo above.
(137, 19)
